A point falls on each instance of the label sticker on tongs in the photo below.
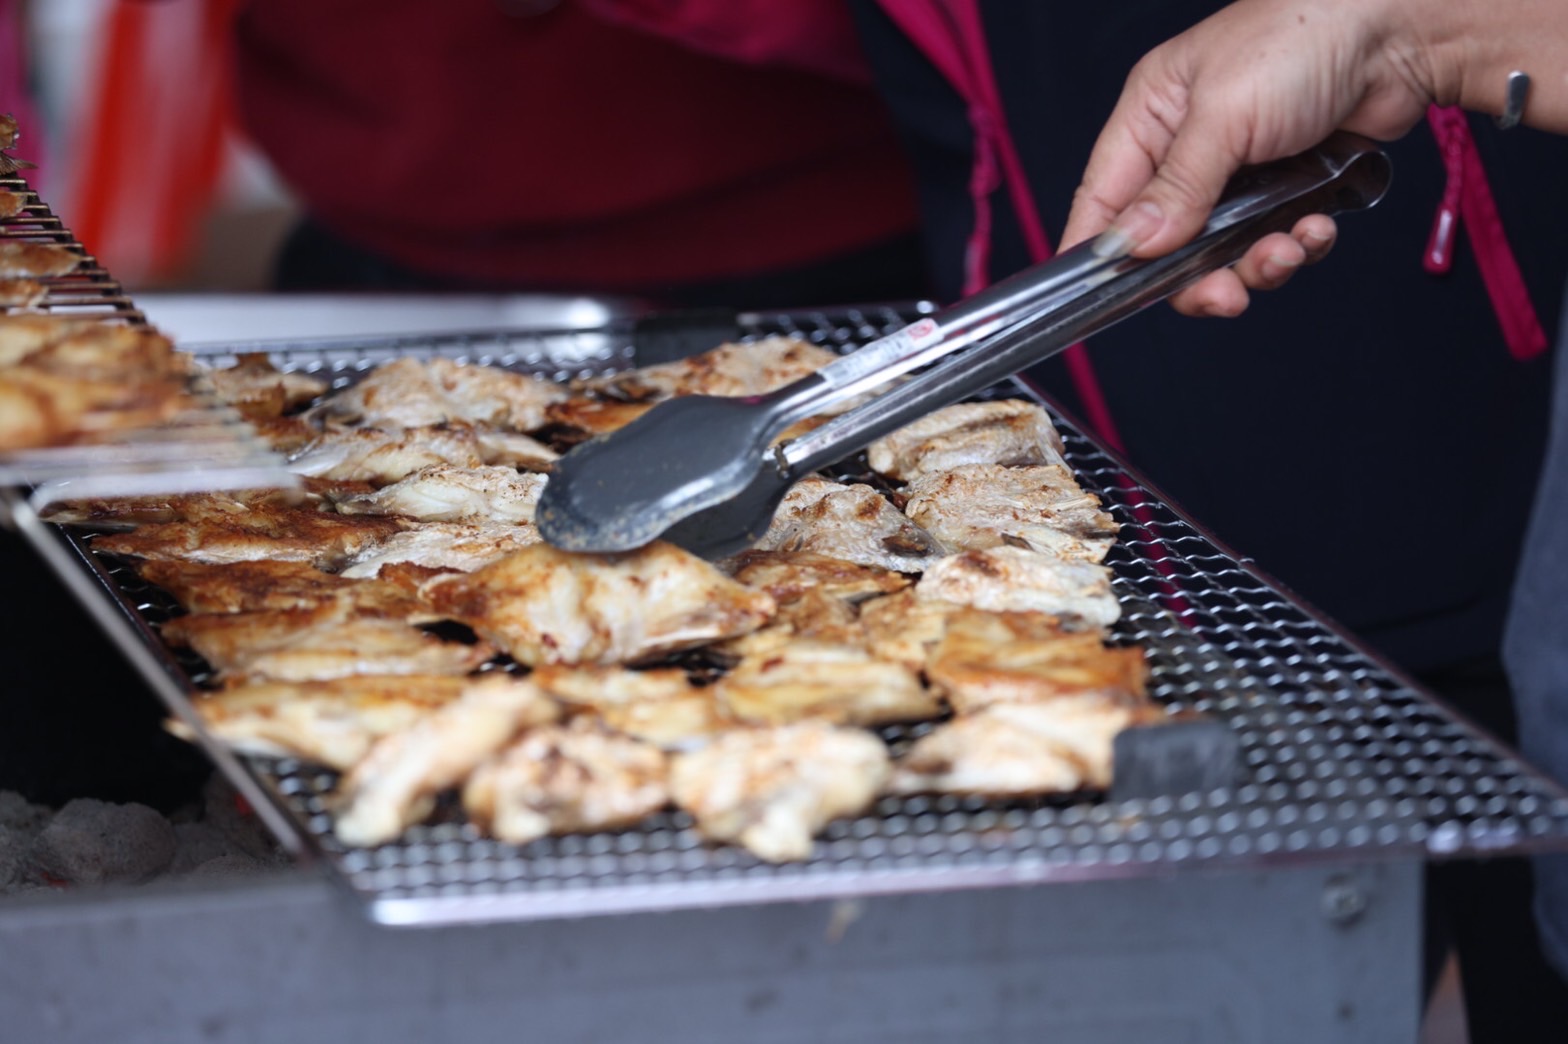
(885, 352)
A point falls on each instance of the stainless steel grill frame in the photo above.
(1344, 759)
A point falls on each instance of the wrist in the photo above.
(1468, 48)
(1425, 42)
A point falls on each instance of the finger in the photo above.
(1270, 262)
(1317, 234)
(1123, 160)
(1172, 208)
(1118, 167)
(1220, 295)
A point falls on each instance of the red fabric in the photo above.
(559, 150)
(166, 118)
(951, 35)
(1468, 199)
(815, 35)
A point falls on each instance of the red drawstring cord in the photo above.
(1467, 197)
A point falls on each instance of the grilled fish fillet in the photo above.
(1015, 579)
(850, 522)
(814, 615)
(290, 534)
(394, 785)
(594, 416)
(23, 259)
(832, 681)
(260, 389)
(1021, 749)
(415, 393)
(447, 493)
(660, 706)
(332, 722)
(230, 505)
(1041, 507)
(786, 575)
(456, 546)
(22, 294)
(902, 628)
(985, 658)
(236, 587)
(22, 335)
(318, 644)
(104, 351)
(40, 408)
(771, 790)
(1007, 432)
(384, 456)
(542, 605)
(567, 779)
(728, 370)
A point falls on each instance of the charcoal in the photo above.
(17, 813)
(227, 812)
(95, 842)
(234, 864)
(13, 857)
(197, 843)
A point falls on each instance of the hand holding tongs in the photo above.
(701, 471)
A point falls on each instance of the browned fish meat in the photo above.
(567, 779)
(786, 575)
(236, 587)
(728, 370)
(1021, 749)
(1007, 432)
(832, 681)
(903, 628)
(594, 416)
(771, 790)
(1014, 579)
(323, 642)
(660, 706)
(446, 546)
(417, 393)
(260, 389)
(40, 408)
(333, 722)
(385, 456)
(852, 522)
(985, 658)
(1041, 507)
(447, 493)
(543, 605)
(22, 294)
(177, 507)
(394, 785)
(289, 534)
(25, 259)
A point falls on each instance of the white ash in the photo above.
(89, 842)
(96, 842)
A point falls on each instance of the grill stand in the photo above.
(1295, 956)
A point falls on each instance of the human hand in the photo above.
(1259, 80)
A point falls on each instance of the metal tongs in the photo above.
(703, 471)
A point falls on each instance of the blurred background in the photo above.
(105, 85)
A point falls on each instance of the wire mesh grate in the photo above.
(1341, 758)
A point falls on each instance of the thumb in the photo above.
(1171, 209)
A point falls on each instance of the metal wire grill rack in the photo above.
(88, 291)
(1342, 758)
(206, 446)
